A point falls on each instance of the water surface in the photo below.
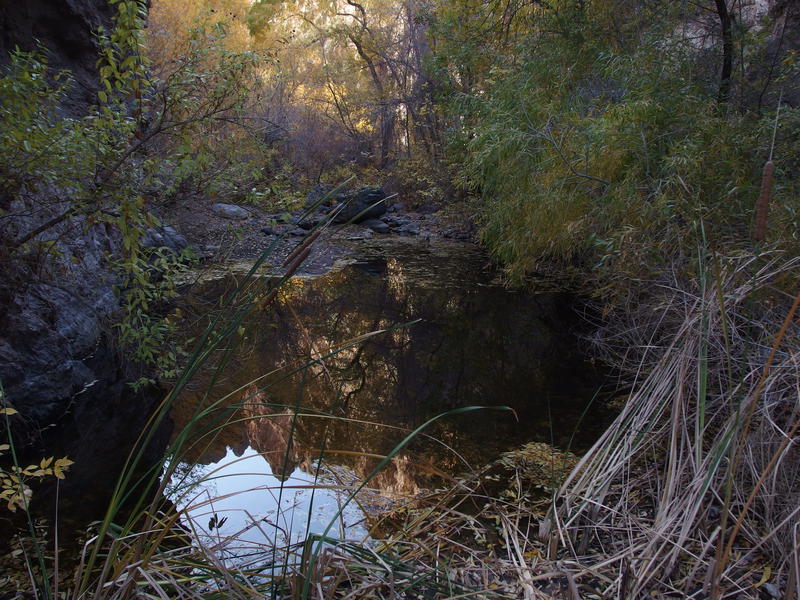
(452, 336)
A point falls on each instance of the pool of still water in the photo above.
(452, 336)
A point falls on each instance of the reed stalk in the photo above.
(652, 491)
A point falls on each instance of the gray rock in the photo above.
(164, 237)
(298, 231)
(376, 225)
(364, 235)
(230, 211)
(360, 205)
(395, 220)
(409, 229)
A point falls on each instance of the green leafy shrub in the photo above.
(593, 152)
(418, 181)
(62, 175)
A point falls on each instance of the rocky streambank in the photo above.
(225, 231)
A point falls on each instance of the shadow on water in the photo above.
(468, 341)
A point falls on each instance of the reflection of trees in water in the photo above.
(254, 422)
(473, 345)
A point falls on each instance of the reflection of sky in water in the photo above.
(257, 512)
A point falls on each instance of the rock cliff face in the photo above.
(65, 28)
(54, 349)
(51, 344)
(58, 363)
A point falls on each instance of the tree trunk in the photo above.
(725, 20)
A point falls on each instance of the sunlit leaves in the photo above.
(14, 488)
(61, 465)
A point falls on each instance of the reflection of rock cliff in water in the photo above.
(245, 420)
(250, 420)
(268, 432)
(400, 477)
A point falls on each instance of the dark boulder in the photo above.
(317, 193)
(360, 205)
(310, 222)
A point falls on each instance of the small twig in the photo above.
(545, 133)
(43, 227)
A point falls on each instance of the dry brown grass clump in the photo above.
(694, 491)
